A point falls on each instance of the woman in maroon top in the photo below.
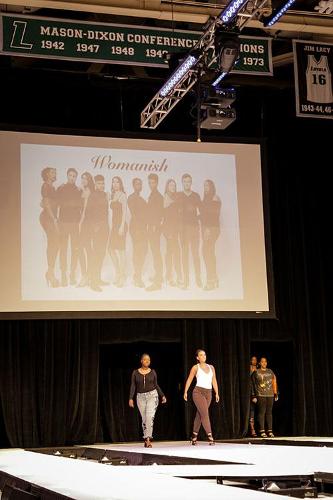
(210, 227)
(144, 385)
(49, 222)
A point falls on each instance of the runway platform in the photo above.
(177, 470)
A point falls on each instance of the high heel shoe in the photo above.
(83, 282)
(211, 285)
(148, 443)
(194, 438)
(210, 439)
(51, 280)
(121, 281)
(64, 280)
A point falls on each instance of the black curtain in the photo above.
(48, 382)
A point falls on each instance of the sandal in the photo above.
(263, 434)
(194, 438)
(210, 439)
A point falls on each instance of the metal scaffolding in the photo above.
(160, 106)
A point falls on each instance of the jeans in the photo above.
(147, 403)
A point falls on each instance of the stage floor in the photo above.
(231, 462)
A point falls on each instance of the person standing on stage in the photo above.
(96, 218)
(190, 230)
(253, 368)
(49, 222)
(144, 385)
(202, 394)
(70, 207)
(210, 228)
(117, 243)
(170, 229)
(155, 219)
(138, 230)
(264, 393)
(87, 187)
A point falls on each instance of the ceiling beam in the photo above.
(293, 21)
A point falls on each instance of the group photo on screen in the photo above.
(166, 228)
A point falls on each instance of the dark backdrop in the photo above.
(57, 384)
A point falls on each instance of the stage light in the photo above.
(228, 55)
(176, 77)
(231, 10)
(276, 16)
(219, 79)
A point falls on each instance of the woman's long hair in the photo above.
(91, 184)
(45, 173)
(167, 191)
(212, 191)
(120, 183)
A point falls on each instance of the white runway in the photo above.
(92, 481)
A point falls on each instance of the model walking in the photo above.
(144, 385)
(202, 394)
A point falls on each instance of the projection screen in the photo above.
(129, 227)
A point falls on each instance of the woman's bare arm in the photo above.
(191, 376)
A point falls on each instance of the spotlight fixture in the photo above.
(269, 21)
(178, 74)
(229, 54)
(231, 10)
(227, 50)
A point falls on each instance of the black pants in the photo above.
(172, 258)
(139, 247)
(52, 239)
(99, 238)
(154, 238)
(190, 237)
(265, 407)
(85, 247)
(209, 239)
(69, 232)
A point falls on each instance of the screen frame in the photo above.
(262, 142)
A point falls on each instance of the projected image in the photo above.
(128, 225)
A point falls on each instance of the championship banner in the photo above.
(313, 65)
(114, 43)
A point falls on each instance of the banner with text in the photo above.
(313, 63)
(115, 43)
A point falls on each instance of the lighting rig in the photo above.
(217, 48)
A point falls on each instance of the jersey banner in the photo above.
(313, 65)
